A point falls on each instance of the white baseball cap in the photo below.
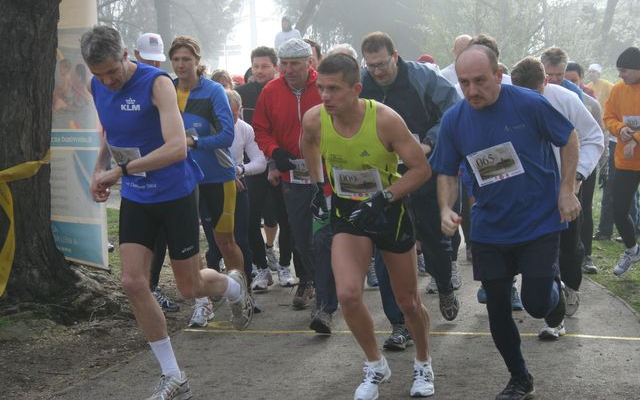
(151, 47)
(595, 67)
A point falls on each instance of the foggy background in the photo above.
(590, 31)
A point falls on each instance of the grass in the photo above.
(605, 256)
(112, 233)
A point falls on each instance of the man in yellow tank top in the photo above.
(361, 141)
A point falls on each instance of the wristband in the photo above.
(123, 167)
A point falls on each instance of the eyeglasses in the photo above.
(381, 66)
(556, 76)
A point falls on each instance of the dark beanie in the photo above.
(629, 59)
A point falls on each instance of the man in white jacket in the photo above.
(529, 72)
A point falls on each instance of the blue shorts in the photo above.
(537, 258)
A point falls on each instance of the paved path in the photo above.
(278, 358)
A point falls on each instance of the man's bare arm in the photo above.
(447, 195)
(568, 203)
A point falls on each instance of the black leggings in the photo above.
(259, 191)
(586, 231)
(625, 184)
(539, 296)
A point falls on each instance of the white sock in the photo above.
(633, 250)
(164, 354)
(421, 363)
(202, 300)
(376, 364)
(233, 292)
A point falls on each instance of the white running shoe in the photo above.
(422, 379)
(626, 260)
(572, 301)
(172, 388)
(284, 277)
(550, 333)
(456, 279)
(272, 258)
(262, 281)
(241, 310)
(373, 377)
(202, 313)
(432, 287)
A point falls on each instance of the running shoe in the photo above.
(432, 287)
(284, 276)
(373, 377)
(202, 313)
(172, 388)
(422, 267)
(272, 258)
(241, 310)
(321, 322)
(518, 388)
(422, 379)
(552, 333)
(601, 236)
(262, 281)
(165, 303)
(481, 295)
(304, 295)
(399, 339)
(516, 303)
(456, 279)
(588, 267)
(626, 260)
(449, 305)
(573, 301)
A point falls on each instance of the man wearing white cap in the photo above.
(601, 87)
(150, 49)
(277, 121)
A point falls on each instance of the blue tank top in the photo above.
(132, 122)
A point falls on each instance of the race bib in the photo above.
(122, 155)
(632, 121)
(357, 185)
(495, 164)
(299, 174)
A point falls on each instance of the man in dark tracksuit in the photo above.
(421, 96)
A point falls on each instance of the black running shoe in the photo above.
(519, 388)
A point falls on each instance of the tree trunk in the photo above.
(308, 14)
(164, 27)
(27, 68)
(607, 22)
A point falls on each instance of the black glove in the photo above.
(319, 204)
(369, 215)
(603, 175)
(283, 159)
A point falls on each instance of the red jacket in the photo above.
(277, 121)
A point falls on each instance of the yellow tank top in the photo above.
(361, 162)
(183, 96)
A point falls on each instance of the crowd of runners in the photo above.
(363, 169)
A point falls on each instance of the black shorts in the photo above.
(398, 237)
(536, 258)
(178, 219)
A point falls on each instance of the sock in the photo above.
(268, 246)
(376, 364)
(233, 292)
(421, 363)
(164, 354)
(202, 300)
(633, 250)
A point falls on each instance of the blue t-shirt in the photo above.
(131, 121)
(523, 207)
(208, 112)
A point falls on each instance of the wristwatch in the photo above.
(580, 177)
(388, 195)
(123, 167)
(195, 141)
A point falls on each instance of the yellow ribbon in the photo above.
(23, 171)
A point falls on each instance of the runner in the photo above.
(361, 141)
(137, 107)
(504, 134)
(209, 128)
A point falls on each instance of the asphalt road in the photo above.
(279, 358)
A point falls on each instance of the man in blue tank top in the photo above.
(143, 132)
(504, 134)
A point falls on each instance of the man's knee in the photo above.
(409, 303)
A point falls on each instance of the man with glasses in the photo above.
(421, 96)
(555, 62)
